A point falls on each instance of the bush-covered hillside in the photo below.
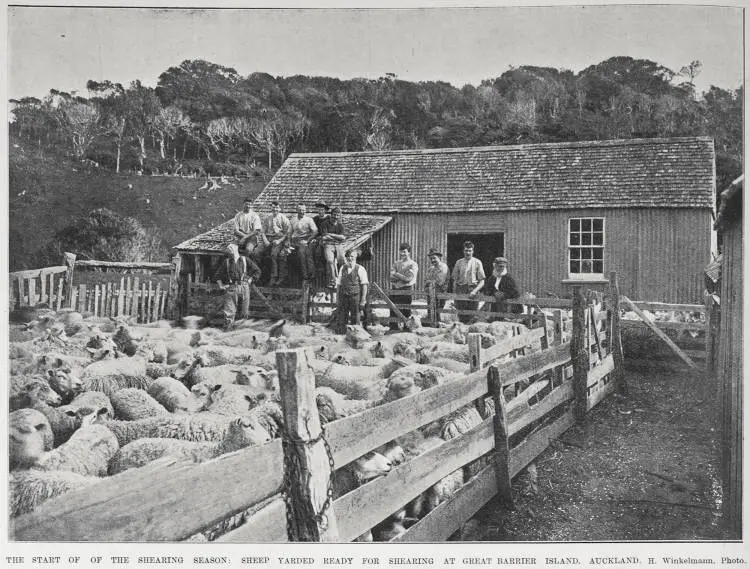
(47, 194)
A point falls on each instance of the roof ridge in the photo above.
(510, 147)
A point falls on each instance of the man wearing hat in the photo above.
(502, 286)
(436, 277)
(234, 278)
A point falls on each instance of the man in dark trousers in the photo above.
(503, 287)
(234, 278)
(351, 284)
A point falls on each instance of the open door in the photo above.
(487, 246)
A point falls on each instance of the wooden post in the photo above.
(70, 265)
(544, 340)
(710, 314)
(558, 320)
(388, 301)
(83, 305)
(173, 307)
(615, 339)
(312, 517)
(306, 302)
(121, 297)
(475, 351)
(579, 353)
(502, 446)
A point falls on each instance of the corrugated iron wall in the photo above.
(729, 374)
(658, 253)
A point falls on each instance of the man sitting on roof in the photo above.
(330, 234)
(249, 231)
(277, 227)
(303, 229)
(238, 273)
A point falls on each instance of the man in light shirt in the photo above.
(249, 231)
(468, 278)
(351, 285)
(403, 277)
(276, 228)
(302, 230)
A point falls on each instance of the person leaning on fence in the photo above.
(503, 287)
(249, 231)
(351, 285)
(302, 230)
(277, 227)
(437, 276)
(235, 276)
(468, 278)
(403, 277)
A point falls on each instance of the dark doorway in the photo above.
(487, 246)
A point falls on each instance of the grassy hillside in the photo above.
(47, 194)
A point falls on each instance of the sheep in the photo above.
(87, 452)
(446, 363)
(241, 432)
(124, 341)
(131, 404)
(456, 352)
(25, 391)
(421, 376)
(458, 423)
(232, 374)
(110, 375)
(29, 436)
(74, 364)
(366, 468)
(332, 405)
(90, 401)
(170, 393)
(220, 355)
(228, 399)
(28, 489)
(356, 382)
(64, 383)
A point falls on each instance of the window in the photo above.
(586, 248)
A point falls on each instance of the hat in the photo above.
(434, 251)
(498, 260)
(322, 204)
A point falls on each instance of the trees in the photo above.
(167, 123)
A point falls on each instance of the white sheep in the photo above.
(131, 404)
(28, 489)
(25, 390)
(366, 468)
(91, 401)
(241, 432)
(29, 435)
(356, 336)
(171, 394)
(356, 382)
(332, 405)
(110, 375)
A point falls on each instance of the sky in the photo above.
(62, 48)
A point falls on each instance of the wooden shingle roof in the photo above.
(357, 229)
(674, 172)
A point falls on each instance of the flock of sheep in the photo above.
(92, 397)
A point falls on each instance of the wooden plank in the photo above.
(263, 298)
(665, 306)
(310, 479)
(267, 525)
(601, 393)
(121, 297)
(34, 273)
(70, 264)
(526, 366)
(361, 509)
(557, 397)
(163, 304)
(125, 265)
(82, 294)
(501, 437)
(665, 325)
(605, 367)
(595, 332)
(449, 516)
(106, 296)
(97, 295)
(615, 337)
(558, 320)
(579, 352)
(74, 298)
(60, 294)
(22, 290)
(136, 297)
(351, 437)
(144, 303)
(533, 446)
(474, 341)
(374, 286)
(155, 303)
(506, 346)
(32, 292)
(684, 357)
(174, 308)
(43, 288)
(543, 302)
(148, 503)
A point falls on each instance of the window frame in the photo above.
(593, 276)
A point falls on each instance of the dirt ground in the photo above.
(645, 466)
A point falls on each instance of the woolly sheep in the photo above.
(457, 352)
(355, 382)
(332, 405)
(241, 432)
(87, 452)
(64, 383)
(25, 391)
(28, 489)
(131, 404)
(366, 468)
(110, 375)
(356, 336)
(228, 399)
(171, 394)
(29, 436)
(90, 401)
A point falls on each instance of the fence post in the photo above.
(306, 302)
(502, 445)
(309, 494)
(173, 308)
(475, 351)
(615, 340)
(710, 333)
(70, 264)
(579, 353)
(558, 319)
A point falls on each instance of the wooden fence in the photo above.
(171, 500)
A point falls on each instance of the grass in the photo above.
(48, 193)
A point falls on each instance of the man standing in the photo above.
(331, 234)
(351, 285)
(502, 286)
(237, 272)
(403, 277)
(303, 229)
(436, 278)
(249, 230)
(468, 278)
(277, 228)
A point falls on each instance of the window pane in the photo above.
(586, 253)
(586, 267)
(598, 224)
(598, 267)
(575, 267)
(586, 239)
(598, 238)
(575, 253)
(598, 254)
(575, 225)
(575, 238)
(585, 225)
